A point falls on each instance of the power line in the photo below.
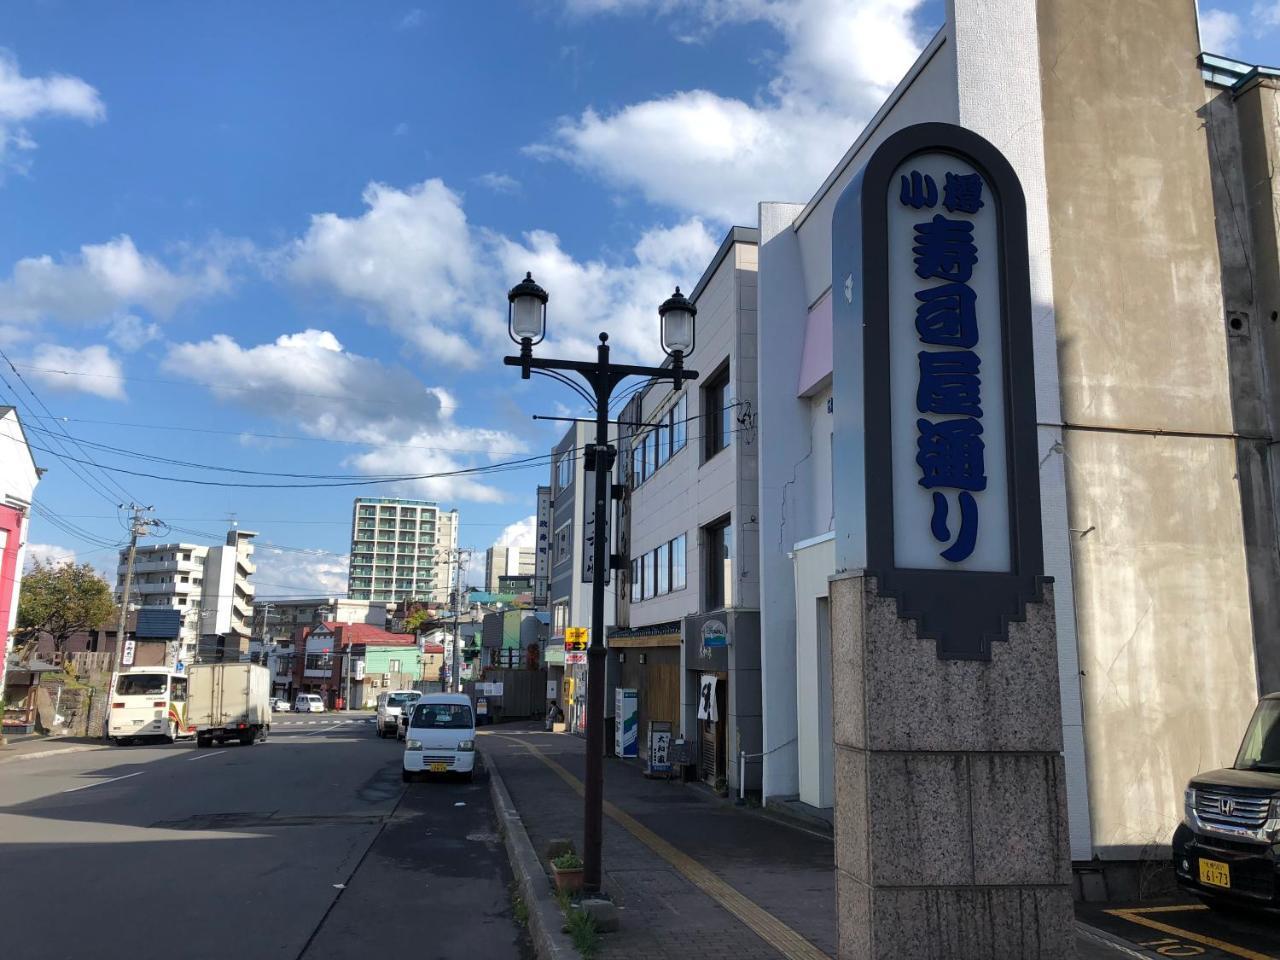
(23, 380)
(274, 436)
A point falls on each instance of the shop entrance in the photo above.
(712, 723)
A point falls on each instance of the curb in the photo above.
(37, 754)
(1107, 940)
(545, 921)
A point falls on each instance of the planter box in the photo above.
(570, 881)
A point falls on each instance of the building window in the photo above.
(564, 470)
(637, 594)
(563, 543)
(679, 431)
(393, 666)
(663, 564)
(637, 461)
(662, 442)
(318, 661)
(650, 453)
(559, 617)
(650, 574)
(717, 417)
(718, 538)
(678, 563)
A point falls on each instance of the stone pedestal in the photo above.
(950, 806)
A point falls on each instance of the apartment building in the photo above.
(401, 550)
(210, 586)
(501, 561)
(689, 591)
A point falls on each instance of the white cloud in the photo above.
(310, 380)
(522, 533)
(1219, 30)
(49, 553)
(87, 370)
(1267, 12)
(400, 130)
(105, 278)
(131, 333)
(299, 573)
(415, 262)
(499, 182)
(716, 156)
(24, 99)
(411, 257)
(414, 18)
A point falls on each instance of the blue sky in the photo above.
(277, 237)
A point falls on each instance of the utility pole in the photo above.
(460, 557)
(137, 528)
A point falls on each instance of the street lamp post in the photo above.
(527, 326)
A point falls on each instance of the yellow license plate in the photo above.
(442, 767)
(1215, 873)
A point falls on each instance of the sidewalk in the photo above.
(690, 874)
(35, 746)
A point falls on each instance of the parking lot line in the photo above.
(1141, 916)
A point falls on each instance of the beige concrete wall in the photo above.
(1158, 554)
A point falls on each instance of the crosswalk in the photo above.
(330, 722)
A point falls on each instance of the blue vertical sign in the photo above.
(934, 386)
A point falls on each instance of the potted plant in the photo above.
(566, 871)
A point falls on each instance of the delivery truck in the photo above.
(229, 701)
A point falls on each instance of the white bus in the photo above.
(149, 702)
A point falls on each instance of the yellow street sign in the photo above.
(575, 638)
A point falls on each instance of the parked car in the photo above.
(308, 703)
(389, 709)
(441, 737)
(406, 711)
(1227, 849)
(279, 704)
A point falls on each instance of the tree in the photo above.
(60, 600)
(416, 619)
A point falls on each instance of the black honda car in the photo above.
(1227, 849)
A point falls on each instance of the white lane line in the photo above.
(201, 756)
(99, 783)
(325, 730)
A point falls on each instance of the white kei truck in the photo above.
(229, 701)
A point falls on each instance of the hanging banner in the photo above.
(129, 647)
(708, 709)
(542, 545)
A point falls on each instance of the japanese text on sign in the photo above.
(949, 444)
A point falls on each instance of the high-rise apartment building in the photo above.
(210, 585)
(500, 561)
(400, 550)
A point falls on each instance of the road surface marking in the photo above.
(200, 756)
(86, 786)
(314, 733)
(765, 925)
(1141, 917)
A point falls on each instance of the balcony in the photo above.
(163, 566)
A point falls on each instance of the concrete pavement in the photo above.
(690, 874)
(307, 845)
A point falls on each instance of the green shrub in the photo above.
(567, 861)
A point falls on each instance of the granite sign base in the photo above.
(950, 808)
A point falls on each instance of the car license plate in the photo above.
(1215, 873)
(438, 767)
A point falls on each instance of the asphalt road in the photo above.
(306, 846)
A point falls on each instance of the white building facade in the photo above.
(401, 550)
(211, 586)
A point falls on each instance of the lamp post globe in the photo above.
(677, 314)
(527, 312)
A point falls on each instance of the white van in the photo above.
(308, 703)
(390, 706)
(441, 737)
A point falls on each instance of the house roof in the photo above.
(366, 634)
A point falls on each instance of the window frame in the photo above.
(717, 541)
(717, 401)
